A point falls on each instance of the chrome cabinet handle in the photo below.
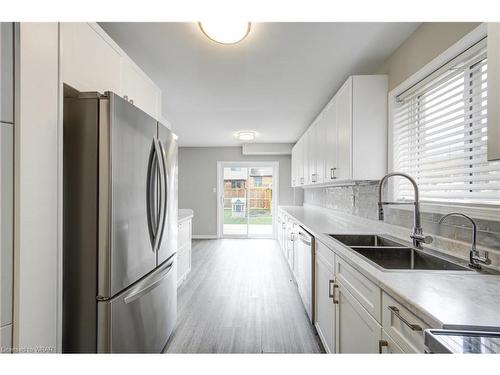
(331, 292)
(382, 344)
(332, 173)
(413, 327)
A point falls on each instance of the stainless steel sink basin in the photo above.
(406, 258)
(391, 255)
(365, 240)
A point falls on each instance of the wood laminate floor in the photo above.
(240, 297)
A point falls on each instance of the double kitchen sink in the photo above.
(391, 255)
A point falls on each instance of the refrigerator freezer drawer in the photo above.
(141, 319)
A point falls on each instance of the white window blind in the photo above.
(440, 134)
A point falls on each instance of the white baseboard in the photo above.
(204, 236)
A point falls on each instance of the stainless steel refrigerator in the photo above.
(120, 227)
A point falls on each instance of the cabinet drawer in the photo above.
(406, 329)
(326, 254)
(184, 235)
(365, 291)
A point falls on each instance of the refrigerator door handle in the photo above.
(162, 193)
(139, 292)
(152, 209)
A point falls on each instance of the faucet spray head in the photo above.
(380, 211)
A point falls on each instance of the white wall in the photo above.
(37, 226)
(426, 43)
(198, 179)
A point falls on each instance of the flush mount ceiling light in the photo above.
(245, 135)
(225, 32)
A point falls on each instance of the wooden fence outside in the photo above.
(258, 197)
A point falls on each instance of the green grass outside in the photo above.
(257, 216)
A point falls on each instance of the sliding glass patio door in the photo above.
(246, 201)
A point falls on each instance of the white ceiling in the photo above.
(274, 82)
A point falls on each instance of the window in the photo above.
(439, 131)
(257, 181)
(237, 184)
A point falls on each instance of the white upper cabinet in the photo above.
(368, 144)
(139, 89)
(344, 132)
(330, 143)
(348, 139)
(319, 147)
(91, 61)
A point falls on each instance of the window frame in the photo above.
(477, 210)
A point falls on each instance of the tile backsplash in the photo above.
(361, 200)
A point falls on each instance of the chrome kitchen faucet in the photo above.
(474, 258)
(417, 236)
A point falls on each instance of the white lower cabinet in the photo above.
(353, 315)
(325, 304)
(184, 251)
(356, 330)
(289, 243)
(388, 345)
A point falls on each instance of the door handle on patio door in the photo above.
(162, 194)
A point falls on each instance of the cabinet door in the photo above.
(294, 166)
(300, 162)
(388, 346)
(89, 63)
(306, 152)
(7, 72)
(325, 308)
(289, 242)
(320, 150)
(355, 331)
(344, 131)
(139, 89)
(330, 146)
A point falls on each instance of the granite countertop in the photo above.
(443, 299)
(184, 214)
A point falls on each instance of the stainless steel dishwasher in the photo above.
(305, 270)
